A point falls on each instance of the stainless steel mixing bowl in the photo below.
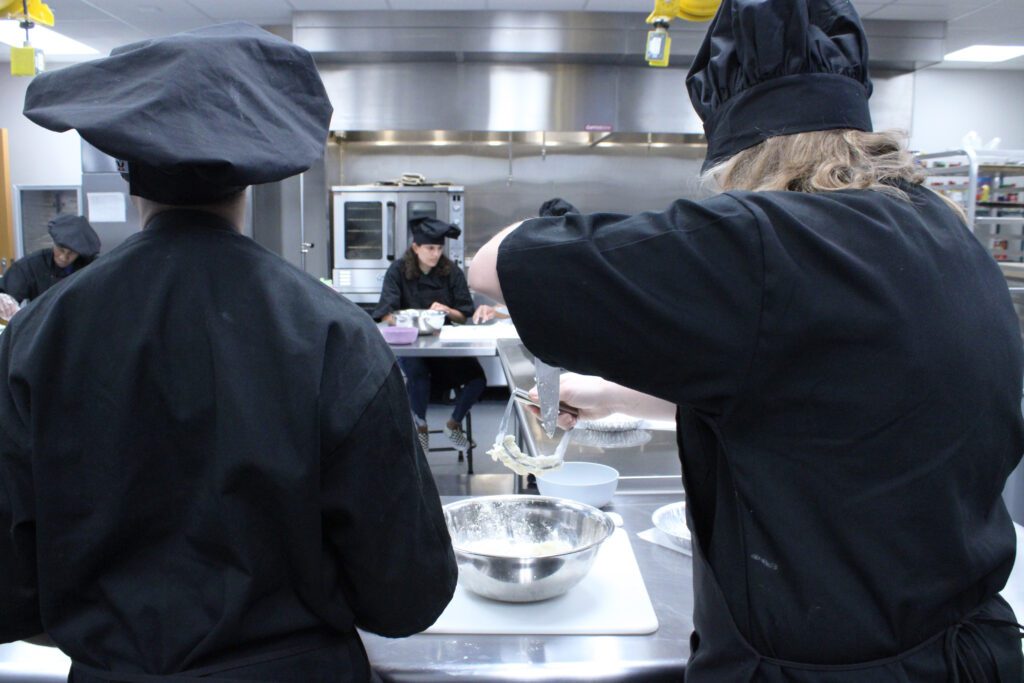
(508, 521)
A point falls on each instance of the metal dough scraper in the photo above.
(547, 393)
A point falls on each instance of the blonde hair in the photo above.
(825, 161)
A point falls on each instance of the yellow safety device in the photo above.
(38, 11)
(23, 61)
(690, 10)
(26, 60)
(659, 43)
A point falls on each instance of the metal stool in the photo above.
(467, 427)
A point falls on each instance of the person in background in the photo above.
(426, 279)
(236, 486)
(75, 245)
(840, 352)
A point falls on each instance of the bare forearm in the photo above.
(638, 404)
(483, 274)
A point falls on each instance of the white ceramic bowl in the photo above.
(671, 521)
(585, 482)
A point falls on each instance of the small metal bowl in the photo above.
(524, 548)
(430, 322)
(671, 521)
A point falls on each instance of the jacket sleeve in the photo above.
(19, 596)
(463, 300)
(666, 303)
(18, 281)
(381, 512)
(390, 293)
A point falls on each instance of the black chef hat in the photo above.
(75, 233)
(777, 67)
(426, 230)
(196, 116)
(556, 207)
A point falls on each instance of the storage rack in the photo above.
(995, 213)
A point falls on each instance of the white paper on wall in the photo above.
(106, 207)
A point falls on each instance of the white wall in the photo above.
(38, 156)
(948, 104)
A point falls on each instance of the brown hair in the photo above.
(825, 161)
(411, 265)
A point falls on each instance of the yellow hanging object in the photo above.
(690, 10)
(659, 44)
(38, 11)
(23, 61)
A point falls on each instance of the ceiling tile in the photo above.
(338, 5)
(131, 11)
(902, 12)
(866, 9)
(438, 4)
(644, 6)
(997, 17)
(536, 5)
(256, 11)
(74, 10)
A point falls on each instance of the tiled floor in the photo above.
(450, 475)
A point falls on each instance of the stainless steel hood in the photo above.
(543, 71)
(560, 37)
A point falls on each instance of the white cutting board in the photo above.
(492, 332)
(611, 599)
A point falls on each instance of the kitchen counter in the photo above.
(650, 477)
(432, 346)
(660, 656)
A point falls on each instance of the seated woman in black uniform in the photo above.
(840, 352)
(426, 279)
(75, 245)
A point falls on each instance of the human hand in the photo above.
(438, 306)
(592, 396)
(8, 306)
(483, 313)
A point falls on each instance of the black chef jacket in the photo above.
(30, 276)
(847, 367)
(206, 458)
(398, 293)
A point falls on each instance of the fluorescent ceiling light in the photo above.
(985, 53)
(49, 41)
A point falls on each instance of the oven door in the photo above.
(364, 230)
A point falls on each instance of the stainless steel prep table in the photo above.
(650, 478)
(431, 346)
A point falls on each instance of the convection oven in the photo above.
(370, 230)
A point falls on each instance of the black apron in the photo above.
(982, 647)
(310, 660)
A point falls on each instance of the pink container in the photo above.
(399, 335)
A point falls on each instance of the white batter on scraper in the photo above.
(508, 453)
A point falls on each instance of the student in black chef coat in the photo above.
(224, 483)
(75, 245)
(426, 279)
(844, 360)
